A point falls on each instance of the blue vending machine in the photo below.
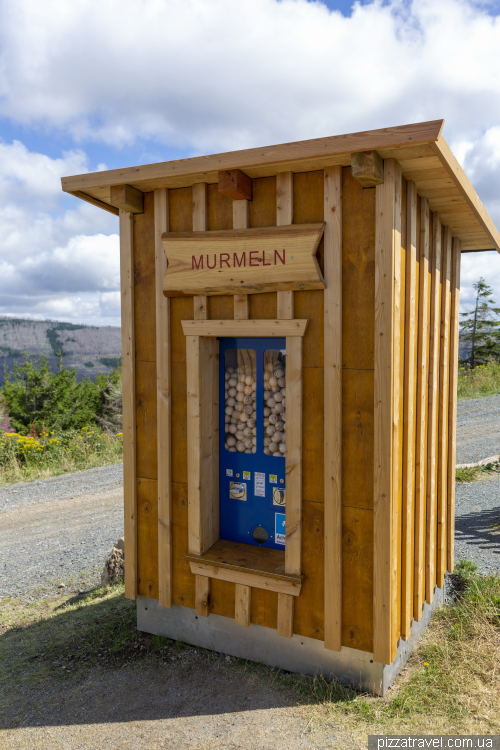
(252, 441)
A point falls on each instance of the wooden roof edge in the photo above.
(462, 182)
(382, 138)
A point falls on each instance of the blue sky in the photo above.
(82, 90)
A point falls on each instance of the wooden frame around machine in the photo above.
(280, 572)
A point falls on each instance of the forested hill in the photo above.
(88, 349)
(52, 337)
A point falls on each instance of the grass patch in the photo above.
(475, 473)
(451, 684)
(484, 380)
(29, 457)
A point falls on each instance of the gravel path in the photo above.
(59, 530)
(477, 524)
(478, 429)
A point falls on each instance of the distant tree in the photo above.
(110, 417)
(480, 327)
(35, 397)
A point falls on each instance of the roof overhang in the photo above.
(424, 155)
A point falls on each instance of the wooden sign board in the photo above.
(243, 261)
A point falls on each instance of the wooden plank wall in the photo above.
(412, 533)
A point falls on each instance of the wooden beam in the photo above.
(284, 217)
(367, 168)
(200, 303)
(193, 380)
(293, 456)
(452, 407)
(128, 396)
(432, 436)
(409, 412)
(461, 181)
(406, 137)
(285, 615)
(235, 184)
(95, 202)
(246, 578)
(422, 409)
(243, 604)
(444, 381)
(240, 221)
(387, 249)
(127, 198)
(279, 328)
(333, 406)
(163, 405)
(202, 596)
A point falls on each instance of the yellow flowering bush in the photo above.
(29, 456)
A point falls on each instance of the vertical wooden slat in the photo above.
(452, 409)
(386, 412)
(293, 508)
(333, 406)
(243, 603)
(200, 303)
(421, 410)
(193, 383)
(163, 405)
(409, 407)
(284, 216)
(202, 596)
(444, 381)
(432, 437)
(129, 414)
(285, 613)
(240, 221)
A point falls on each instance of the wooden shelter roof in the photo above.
(424, 155)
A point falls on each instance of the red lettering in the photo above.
(237, 262)
(277, 255)
(224, 258)
(253, 252)
(215, 262)
(264, 259)
(194, 264)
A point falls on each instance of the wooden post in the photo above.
(452, 408)
(240, 221)
(285, 615)
(284, 216)
(432, 436)
(202, 596)
(243, 603)
(422, 410)
(128, 388)
(200, 304)
(444, 381)
(293, 507)
(163, 405)
(386, 411)
(409, 410)
(333, 406)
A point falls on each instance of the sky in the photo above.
(86, 86)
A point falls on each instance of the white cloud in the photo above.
(220, 75)
(48, 258)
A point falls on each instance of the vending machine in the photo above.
(253, 440)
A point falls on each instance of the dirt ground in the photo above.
(197, 706)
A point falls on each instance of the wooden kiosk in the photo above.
(308, 524)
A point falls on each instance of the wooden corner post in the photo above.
(386, 411)
(128, 388)
(452, 409)
(333, 406)
(163, 405)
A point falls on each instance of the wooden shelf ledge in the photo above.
(258, 567)
(263, 328)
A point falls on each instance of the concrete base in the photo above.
(296, 654)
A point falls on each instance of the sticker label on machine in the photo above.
(259, 484)
(280, 528)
